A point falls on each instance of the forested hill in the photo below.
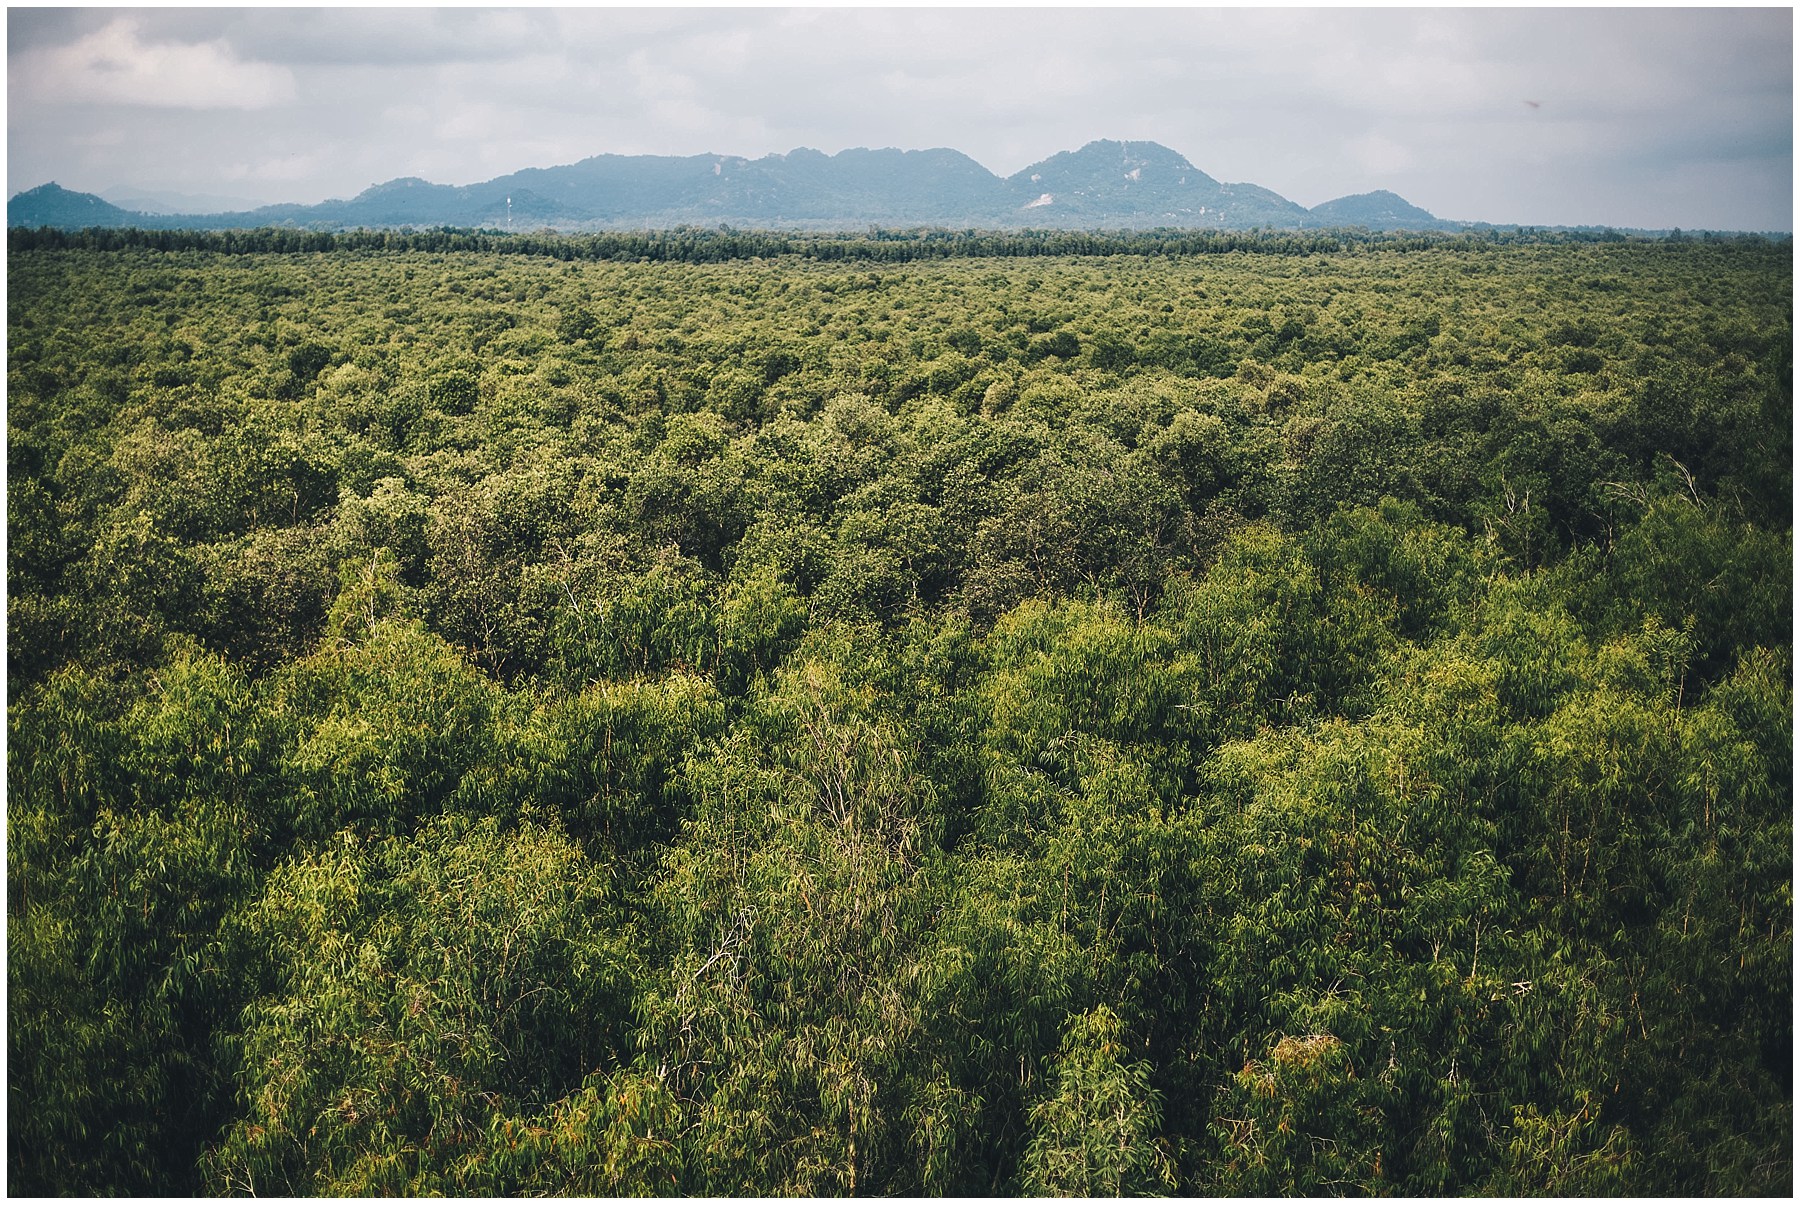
(1117, 185)
(1301, 718)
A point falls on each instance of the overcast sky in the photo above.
(1624, 117)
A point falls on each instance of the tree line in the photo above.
(697, 244)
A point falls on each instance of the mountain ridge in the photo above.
(1104, 184)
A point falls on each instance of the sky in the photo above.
(1646, 118)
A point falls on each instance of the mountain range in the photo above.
(1112, 185)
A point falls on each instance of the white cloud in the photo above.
(103, 138)
(284, 169)
(115, 66)
(1380, 156)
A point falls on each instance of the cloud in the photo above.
(284, 169)
(1311, 103)
(377, 37)
(1380, 156)
(114, 65)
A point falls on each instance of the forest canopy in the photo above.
(1308, 715)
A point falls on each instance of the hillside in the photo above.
(53, 205)
(1113, 185)
(1379, 210)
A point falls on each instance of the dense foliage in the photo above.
(712, 244)
(1293, 719)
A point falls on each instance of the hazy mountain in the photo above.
(153, 201)
(1141, 184)
(1379, 210)
(803, 185)
(1103, 185)
(413, 202)
(53, 205)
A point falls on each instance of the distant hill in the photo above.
(152, 201)
(53, 205)
(1141, 184)
(1379, 210)
(1111, 185)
